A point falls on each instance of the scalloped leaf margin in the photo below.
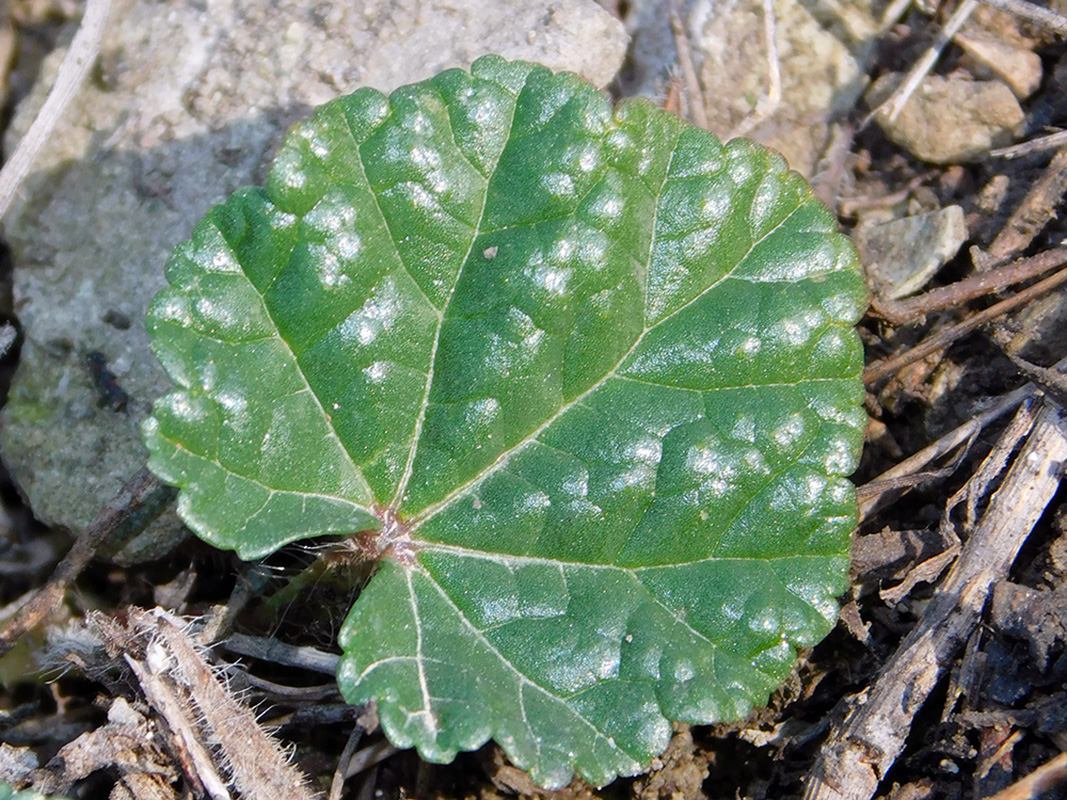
(584, 379)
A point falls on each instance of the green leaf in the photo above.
(584, 379)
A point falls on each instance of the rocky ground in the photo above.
(946, 675)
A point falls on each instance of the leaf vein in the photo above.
(523, 678)
(409, 466)
(461, 491)
(329, 497)
(332, 433)
(419, 659)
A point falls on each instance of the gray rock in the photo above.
(190, 101)
(949, 121)
(904, 254)
(1018, 67)
(822, 45)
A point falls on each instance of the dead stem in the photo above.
(901, 312)
(697, 109)
(1034, 212)
(878, 370)
(1052, 141)
(1041, 780)
(910, 471)
(895, 103)
(862, 748)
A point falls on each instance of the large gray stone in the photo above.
(189, 102)
(823, 49)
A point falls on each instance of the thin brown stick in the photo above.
(831, 168)
(369, 756)
(1004, 749)
(1052, 141)
(850, 207)
(982, 283)
(268, 649)
(143, 492)
(895, 103)
(697, 109)
(337, 785)
(912, 470)
(977, 487)
(942, 339)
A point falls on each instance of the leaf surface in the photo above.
(585, 379)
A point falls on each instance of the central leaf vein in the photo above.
(409, 466)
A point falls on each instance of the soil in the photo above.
(991, 702)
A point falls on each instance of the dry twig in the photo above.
(1053, 141)
(972, 491)
(337, 784)
(1034, 212)
(369, 756)
(80, 56)
(267, 649)
(200, 708)
(697, 109)
(256, 763)
(977, 486)
(874, 494)
(1041, 780)
(191, 752)
(886, 367)
(895, 103)
(901, 312)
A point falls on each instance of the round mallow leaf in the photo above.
(583, 380)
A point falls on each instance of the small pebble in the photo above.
(1019, 68)
(904, 254)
